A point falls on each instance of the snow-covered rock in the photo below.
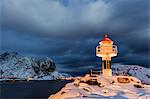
(139, 72)
(52, 76)
(99, 87)
(13, 65)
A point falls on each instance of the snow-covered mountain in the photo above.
(139, 72)
(18, 66)
(15, 65)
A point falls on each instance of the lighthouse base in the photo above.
(107, 72)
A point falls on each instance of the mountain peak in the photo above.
(13, 64)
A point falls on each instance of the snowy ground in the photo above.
(100, 87)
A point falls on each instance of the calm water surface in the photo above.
(31, 89)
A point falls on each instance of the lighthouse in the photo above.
(106, 50)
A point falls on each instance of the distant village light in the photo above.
(106, 50)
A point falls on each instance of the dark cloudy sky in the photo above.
(69, 30)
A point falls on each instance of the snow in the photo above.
(13, 65)
(139, 72)
(52, 76)
(81, 89)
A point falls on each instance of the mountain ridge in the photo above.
(13, 64)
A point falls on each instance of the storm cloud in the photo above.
(69, 30)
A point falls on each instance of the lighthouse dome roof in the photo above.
(106, 39)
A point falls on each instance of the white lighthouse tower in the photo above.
(106, 50)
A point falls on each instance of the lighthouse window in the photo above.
(104, 64)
